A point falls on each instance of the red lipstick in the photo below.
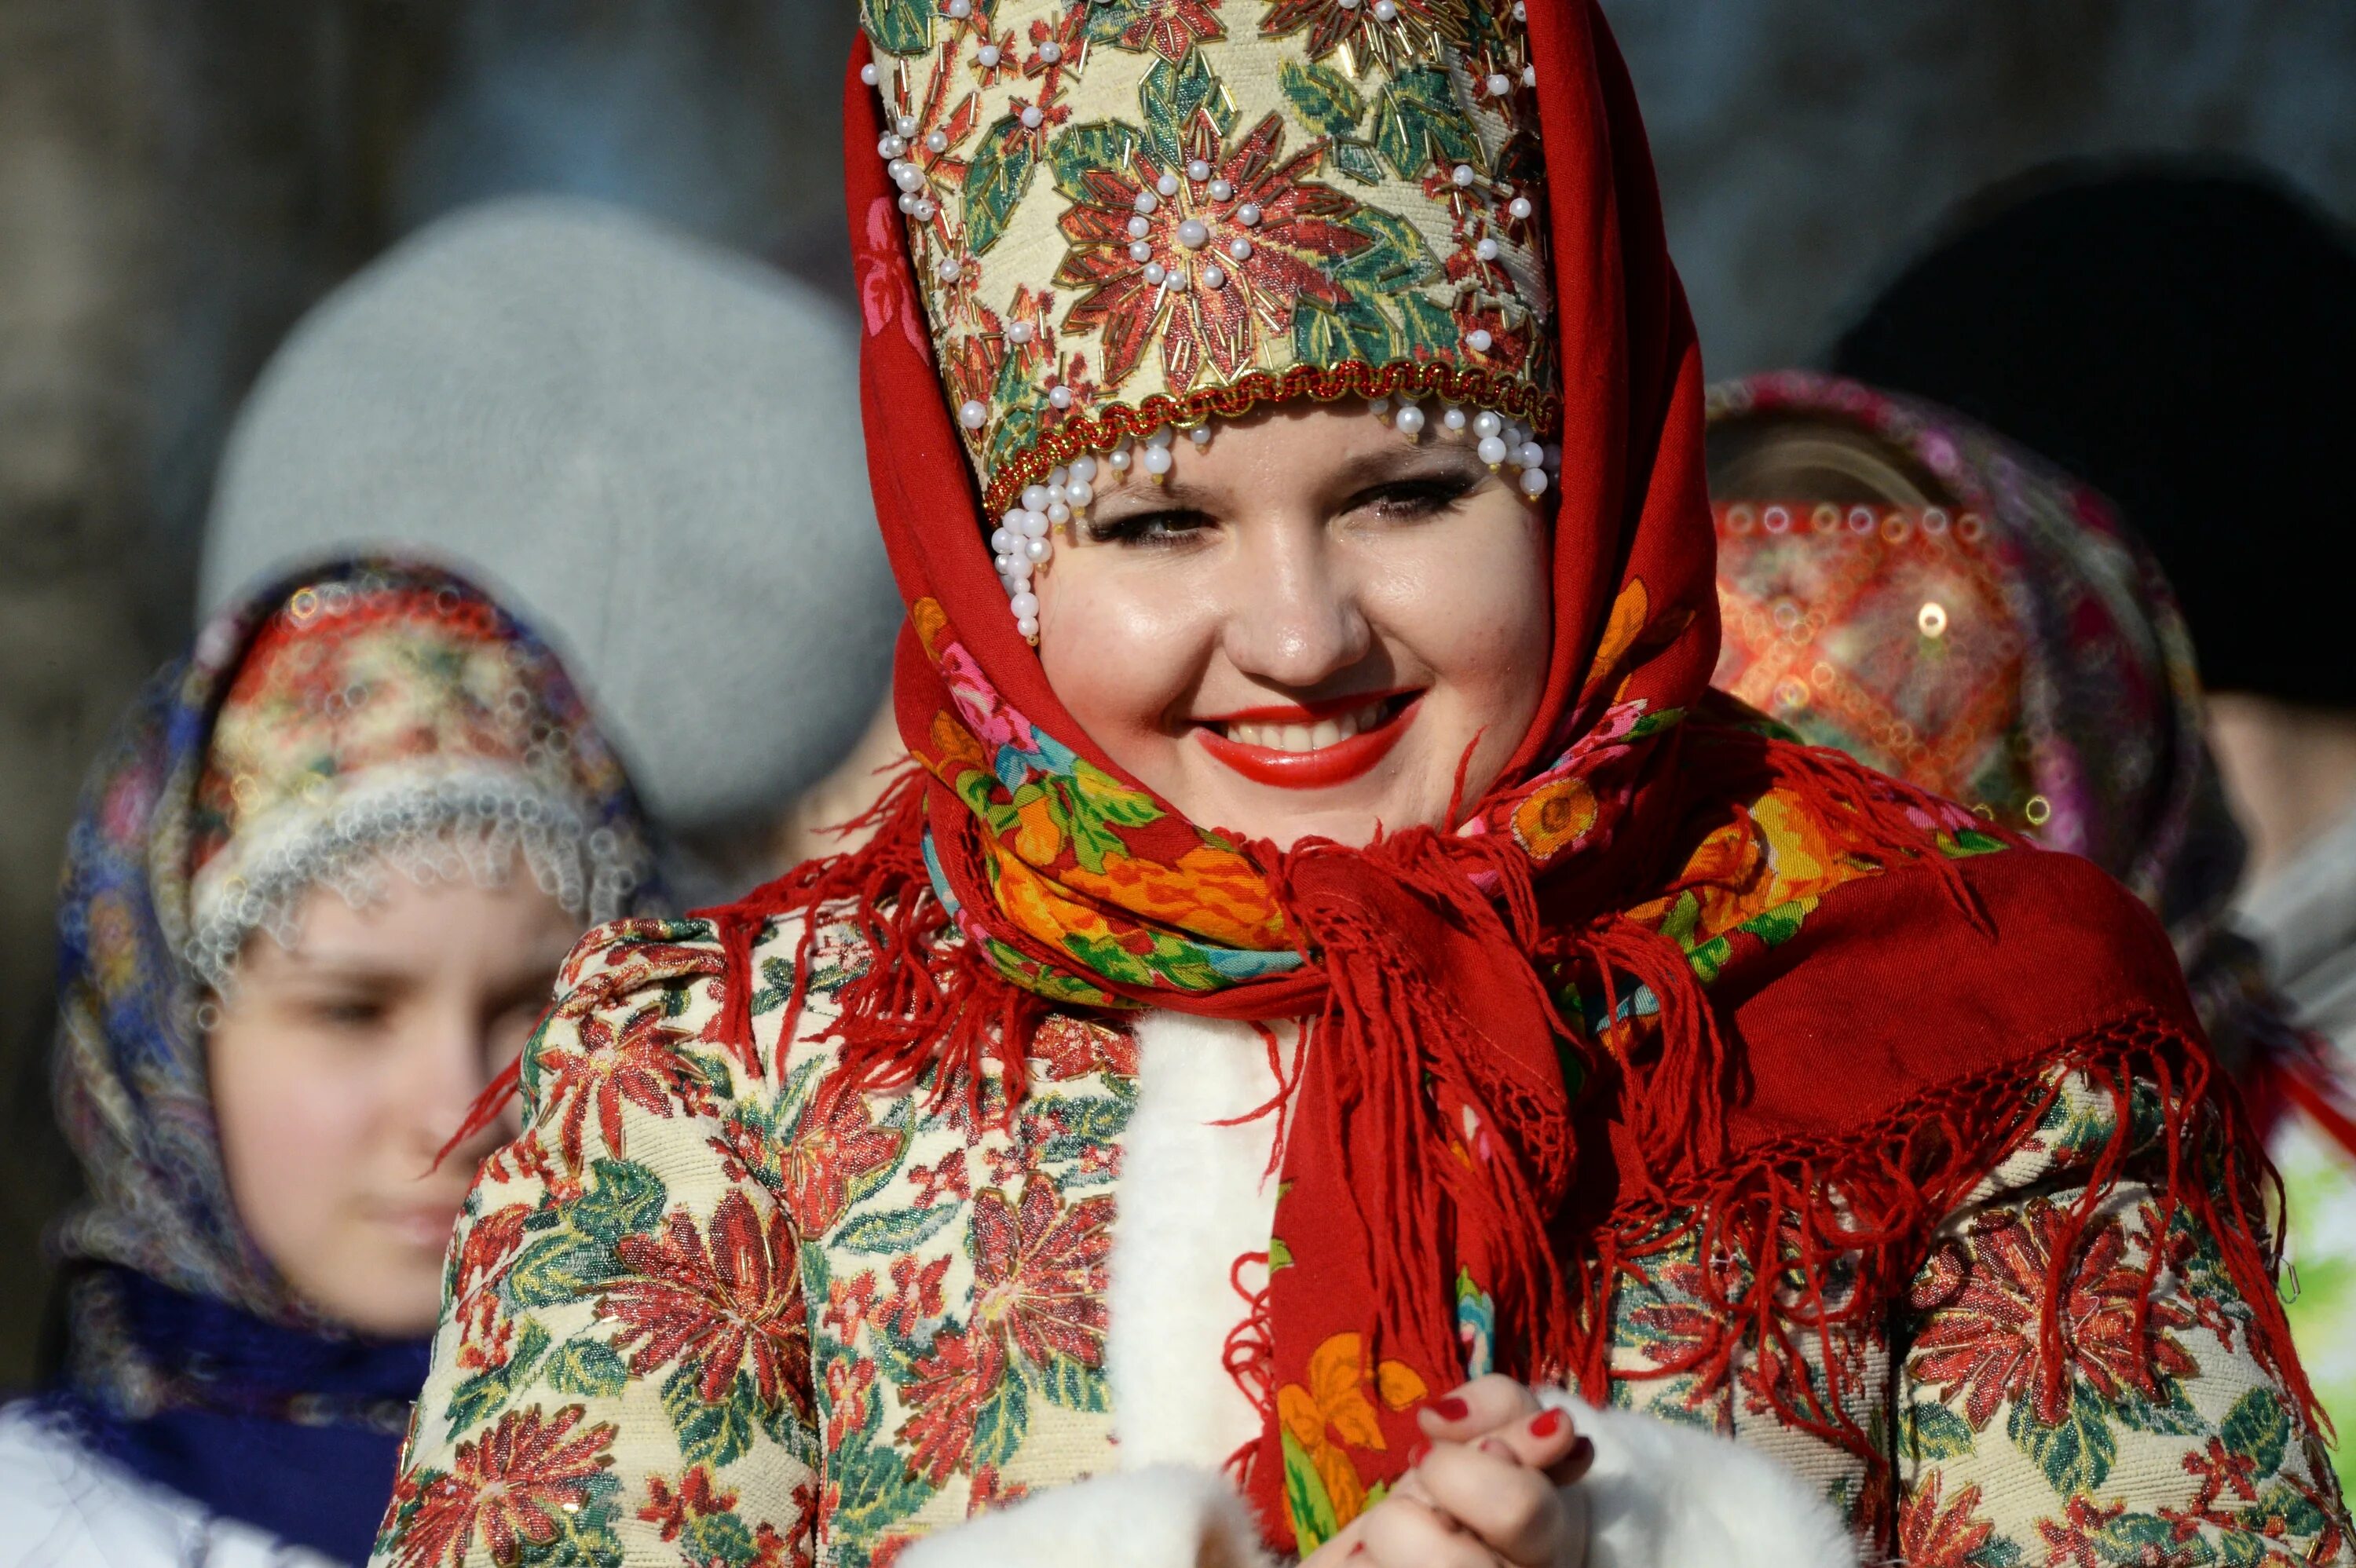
(1323, 768)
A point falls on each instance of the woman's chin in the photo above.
(1349, 815)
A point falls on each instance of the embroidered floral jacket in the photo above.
(714, 1307)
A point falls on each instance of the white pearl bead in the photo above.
(1051, 52)
(1032, 526)
(1034, 497)
(1001, 540)
(1038, 551)
(1347, 5)
(890, 147)
(1378, 407)
(1453, 418)
(974, 414)
(960, 9)
(1214, 277)
(908, 203)
(1154, 270)
(1084, 468)
(1532, 455)
(1529, 76)
(937, 142)
(1194, 234)
(1139, 251)
(1521, 10)
(1499, 84)
(1032, 116)
(1534, 482)
(1057, 477)
(1485, 423)
(1159, 437)
(1119, 461)
(1146, 201)
(1462, 173)
(911, 178)
(1248, 214)
(925, 210)
(867, 73)
(1080, 491)
(1058, 515)
(1060, 396)
(1491, 450)
(1005, 562)
(1386, 10)
(949, 268)
(1167, 185)
(1200, 435)
(1157, 460)
(1239, 247)
(1521, 207)
(1138, 228)
(1222, 190)
(1028, 625)
(1178, 283)
(1478, 340)
(1410, 420)
(1025, 604)
(1018, 571)
(1486, 249)
(905, 124)
(1021, 332)
(987, 55)
(1198, 169)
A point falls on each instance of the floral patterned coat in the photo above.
(713, 1307)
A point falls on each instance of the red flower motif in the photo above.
(1073, 1048)
(945, 1396)
(2075, 1538)
(737, 1300)
(1039, 1273)
(641, 1065)
(1332, 23)
(1170, 29)
(1988, 1343)
(676, 1507)
(1284, 257)
(834, 1146)
(511, 1486)
(1933, 1537)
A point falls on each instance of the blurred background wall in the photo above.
(178, 182)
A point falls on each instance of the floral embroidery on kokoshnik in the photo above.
(1131, 215)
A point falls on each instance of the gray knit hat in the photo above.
(649, 447)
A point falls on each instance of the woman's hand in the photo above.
(1488, 1494)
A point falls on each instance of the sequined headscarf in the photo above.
(367, 718)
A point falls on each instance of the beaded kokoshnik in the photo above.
(1130, 218)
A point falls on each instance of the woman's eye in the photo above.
(354, 1014)
(1147, 527)
(1413, 497)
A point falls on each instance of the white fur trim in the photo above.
(1167, 1516)
(1193, 1198)
(1665, 1496)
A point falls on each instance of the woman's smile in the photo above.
(1309, 745)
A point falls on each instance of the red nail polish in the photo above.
(1546, 1424)
(1450, 1409)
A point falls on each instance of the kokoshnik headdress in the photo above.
(1126, 219)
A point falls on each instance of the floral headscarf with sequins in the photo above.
(361, 717)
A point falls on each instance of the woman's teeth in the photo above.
(1308, 737)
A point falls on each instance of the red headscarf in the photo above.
(1429, 1161)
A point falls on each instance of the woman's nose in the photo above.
(446, 1076)
(1294, 618)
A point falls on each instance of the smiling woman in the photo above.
(1562, 1120)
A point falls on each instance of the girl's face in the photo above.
(1308, 628)
(340, 1065)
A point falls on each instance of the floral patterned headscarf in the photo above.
(362, 716)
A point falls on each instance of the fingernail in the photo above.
(1495, 1449)
(1415, 1456)
(1449, 1408)
(1546, 1424)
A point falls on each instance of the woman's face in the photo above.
(341, 1064)
(1308, 626)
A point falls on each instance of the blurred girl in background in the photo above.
(317, 895)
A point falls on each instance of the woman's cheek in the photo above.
(295, 1116)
